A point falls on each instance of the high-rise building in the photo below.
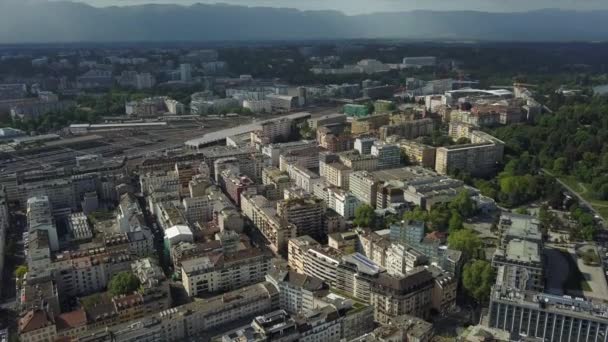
(362, 185)
(40, 217)
(306, 212)
(185, 71)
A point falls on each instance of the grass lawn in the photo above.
(582, 189)
(575, 281)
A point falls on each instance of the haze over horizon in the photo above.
(70, 21)
(373, 6)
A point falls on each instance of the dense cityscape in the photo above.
(354, 191)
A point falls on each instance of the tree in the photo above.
(466, 241)
(364, 216)
(477, 279)
(456, 222)
(21, 271)
(463, 141)
(463, 204)
(418, 214)
(123, 283)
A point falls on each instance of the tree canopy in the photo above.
(466, 241)
(123, 283)
(364, 216)
(477, 279)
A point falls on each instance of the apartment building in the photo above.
(298, 246)
(199, 317)
(322, 262)
(274, 151)
(297, 292)
(367, 124)
(305, 212)
(363, 186)
(37, 326)
(355, 275)
(358, 161)
(337, 174)
(39, 217)
(408, 130)
(302, 177)
(364, 145)
(419, 154)
(218, 271)
(263, 215)
(394, 296)
(476, 159)
(547, 317)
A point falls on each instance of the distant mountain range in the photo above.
(30, 21)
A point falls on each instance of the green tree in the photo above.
(364, 216)
(463, 204)
(418, 214)
(560, 165)
(477, 279)
(123, 283)
(456, 222)
(21, 271)
(466, 241)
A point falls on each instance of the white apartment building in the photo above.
(220, 272)
(296, 291)
(363, 186)
(40, 217)
(402, 259)
(322, 262)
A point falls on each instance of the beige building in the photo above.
(337, 174)
(263, 214)
(37, 326)
(369, 123)
(419, 154)
(476, 159)
(395, 296)
(297, 249)
(359, 162)
(218, 271)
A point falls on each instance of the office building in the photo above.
(547, 317)
(79, 227)
(185, 71)
(326, 120)
(389, 155)
(364, 145)
(356, 110)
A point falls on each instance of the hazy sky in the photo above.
(367, 6)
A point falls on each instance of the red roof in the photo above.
(72, 319)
